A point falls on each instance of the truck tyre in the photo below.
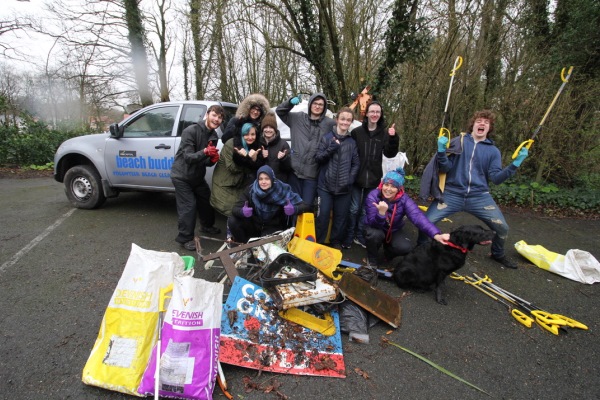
(83, 187)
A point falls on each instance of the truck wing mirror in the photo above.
(116, 131)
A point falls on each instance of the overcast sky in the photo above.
(35, 47)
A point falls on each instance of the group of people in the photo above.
(261, 184)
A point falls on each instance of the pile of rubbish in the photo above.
(166, 333)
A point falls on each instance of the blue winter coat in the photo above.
(469, 172)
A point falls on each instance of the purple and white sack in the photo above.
(190, 342)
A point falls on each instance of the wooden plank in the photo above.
(381, 304)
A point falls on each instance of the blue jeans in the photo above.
(339, 203)
(356, 219)
(481, 206)
(306, 188)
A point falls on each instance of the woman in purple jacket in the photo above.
(385, 208)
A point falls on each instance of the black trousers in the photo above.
(242, 229)
(398, 246)
(192, 200)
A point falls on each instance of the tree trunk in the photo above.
(138, 50)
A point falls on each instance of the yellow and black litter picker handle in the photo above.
(521, 317)
(444, 131)
(529, 142)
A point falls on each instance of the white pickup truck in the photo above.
(136, 155)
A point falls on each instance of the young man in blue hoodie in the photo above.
(468, 172)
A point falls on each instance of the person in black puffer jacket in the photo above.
(373, 141)
(338, 160)
(276, 151)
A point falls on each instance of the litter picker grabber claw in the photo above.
(541, 315)
(517, 314)
(529, 142)
(161, 311)
(443, 129)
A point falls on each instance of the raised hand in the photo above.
(265, 153)
(242, 152)
(296, 100)
(442, 143)
(281, 154)
(392, 130)
(523, 153)
(247, 211)
(289, 208)
(382, 207)
(253, 154)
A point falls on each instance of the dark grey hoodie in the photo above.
(306, 133)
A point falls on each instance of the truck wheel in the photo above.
(83, 188)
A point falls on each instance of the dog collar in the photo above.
(462, 249)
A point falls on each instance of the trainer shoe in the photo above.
(212, 230)
(505, 261)
(191, 245)
(346, 246)
(372, 262)
(361, 242)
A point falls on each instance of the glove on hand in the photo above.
(210, 150)
(289, 208)
(442, 143)
(523, 153)
(214, 158)
(296, 100)
(247, 211)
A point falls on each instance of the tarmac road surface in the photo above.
(59, 267)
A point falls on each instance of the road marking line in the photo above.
(35, 241)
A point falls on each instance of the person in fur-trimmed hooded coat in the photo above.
(252, 109)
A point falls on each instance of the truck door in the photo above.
(143, 157)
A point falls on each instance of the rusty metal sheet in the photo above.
(371, 299)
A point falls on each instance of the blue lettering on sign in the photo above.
(131, 162)
(164, 163)
(161, 163)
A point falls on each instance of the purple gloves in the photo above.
(247, 211)
(289, 208)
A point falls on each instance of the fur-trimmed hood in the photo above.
(255, 99)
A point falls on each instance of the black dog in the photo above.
(427, 266)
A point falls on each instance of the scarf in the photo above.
(266, 204)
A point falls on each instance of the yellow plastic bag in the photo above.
(538, 255)
(577, 265)
(128, 330)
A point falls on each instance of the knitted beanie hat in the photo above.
(395, 178)
(269, 120)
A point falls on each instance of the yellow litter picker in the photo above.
(529, 142)
(443, 130)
